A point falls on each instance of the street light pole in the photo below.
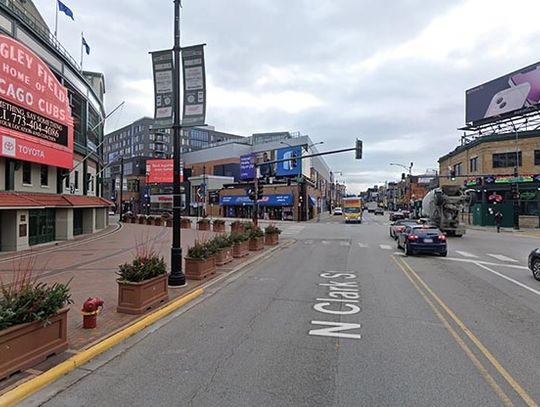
(176, 277)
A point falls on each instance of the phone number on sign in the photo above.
(22, 120)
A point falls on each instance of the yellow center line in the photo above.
(481, 368)
(488, 355)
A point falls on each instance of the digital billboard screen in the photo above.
(510, 94)
(292, 167)
(161, 171)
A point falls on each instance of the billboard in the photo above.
(513, 93)
(292, 167)
(247, 167)
(35, 117)
(161, 171)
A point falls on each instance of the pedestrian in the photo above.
(498, 220)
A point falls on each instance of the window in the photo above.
(76, 180)
(505, 160)
(44, 175)
(67, 180)
(536, 157)
(27, 173)
(458, 168)
(473, 164)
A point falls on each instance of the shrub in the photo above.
(236, 238)
(219, 222)
(146, 264)
(271, 229)
(256, 233)
(201, 251)
(221, 242)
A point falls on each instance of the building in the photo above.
(51, 131)
(487, 166)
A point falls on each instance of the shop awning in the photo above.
(17, 200)
(267, 200)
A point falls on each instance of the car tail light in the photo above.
(400, 229)
(412, 237)
(442, 237)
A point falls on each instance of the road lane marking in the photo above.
(467, 254)
(363, 245)
(325, 242)
(344, 244)
(512, 266)
(385, 246)
(308, 242)
(487, 354)
(532, 290)
(501, 257)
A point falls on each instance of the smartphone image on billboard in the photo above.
(509, 99)
(289, 165)
(532, 77)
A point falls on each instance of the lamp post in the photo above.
(176, 277)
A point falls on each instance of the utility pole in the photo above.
(176, 277)
(121, 211)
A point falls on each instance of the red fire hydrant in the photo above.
(90, 310)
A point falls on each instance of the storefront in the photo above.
(271, 207)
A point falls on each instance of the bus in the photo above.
(352, 210)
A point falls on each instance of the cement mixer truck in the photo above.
(442, 206)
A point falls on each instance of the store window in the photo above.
(27, 173)
(473, 164)
(536, 157)
(44, 176)
(505, 160)
(458, 168)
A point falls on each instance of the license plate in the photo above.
(428, 240)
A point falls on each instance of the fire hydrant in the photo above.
(90, 310)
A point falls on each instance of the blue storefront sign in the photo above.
(290, 167)
(247, 168)
(267, 200)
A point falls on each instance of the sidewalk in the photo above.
(91, 264)
(493, 229)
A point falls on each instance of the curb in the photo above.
(26, 389)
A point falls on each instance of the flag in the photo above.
(86, 46)
(65, 9)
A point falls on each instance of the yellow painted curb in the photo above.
(26, 389)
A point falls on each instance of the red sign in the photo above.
(35, 117)
(161, 171)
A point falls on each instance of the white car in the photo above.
(338, 211)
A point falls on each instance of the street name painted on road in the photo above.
(343, 297)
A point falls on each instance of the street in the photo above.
(338, 318)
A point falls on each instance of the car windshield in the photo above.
(351, 210)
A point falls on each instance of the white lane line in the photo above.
(344, 244)
(308, 242)
(399, 254)
(532, 290)
(467, 254)
(325, 242)
(502, 257)
(385, 246)
(487, 263)
(363, 245)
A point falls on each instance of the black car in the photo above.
(422, 239)
(396, 216)
(534, 263)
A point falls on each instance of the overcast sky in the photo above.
(392, 73)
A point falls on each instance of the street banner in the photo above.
(163, 67)
(35, 118)
(194, 86)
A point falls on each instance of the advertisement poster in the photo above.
(35, 117)
(163, 67)
(247, 166)
(161, 171)
(194, 86)
(292, 167)
(513, 93)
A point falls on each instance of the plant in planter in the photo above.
(200, 261)
(33, 319)
(185, 223)
(203, 224)
(127, 217)
(256, 239)
(248, 227)
(142, 283)
(218, 225)
(271, 235)
(240, 244)
(149, 220)
(223, 247)
(142, 219)
(237, 227)
(158, 221)
(167, 219)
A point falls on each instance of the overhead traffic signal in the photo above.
(259, 192)
(251, 193)
(358, 149)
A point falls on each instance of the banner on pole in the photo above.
(194, 112)
(163, 67)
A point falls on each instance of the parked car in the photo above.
(398, 226)
(534, 263)
(422, 239)
(396, 216)
(379, 211)
(338, 210)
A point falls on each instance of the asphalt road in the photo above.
(339, 318)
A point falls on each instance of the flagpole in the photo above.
(82, 37)
(56, 20)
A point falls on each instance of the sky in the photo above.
(391, 73)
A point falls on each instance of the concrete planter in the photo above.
(136, 298)
(199, 269)
(271, 239)
(25, 345)
(240, 249)
(237, 228)
(224, 256)
(256, 244)
(218, 227)
(203, 225)
(185, 224)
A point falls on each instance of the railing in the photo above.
(38, 28)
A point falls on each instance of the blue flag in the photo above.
(65, 9)
(86, 46)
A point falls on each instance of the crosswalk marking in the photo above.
(344, 244)
(308, 242)
(363, 245)
(385, 246)
(325, 242)
(467, 254)
(502, 257)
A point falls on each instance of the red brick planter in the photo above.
(185, 224)
(240, 249)
(158, 221)
(218, 227)
(224, 256)
(203, 226)
(199, 269)
(168, 223)
(237, 228)
(149, 221)
(25, 345)
(141, 220)
(271, 239)
(256, 244)
(136, 298)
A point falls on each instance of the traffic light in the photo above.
(453, 175)
(251, 194)
(259, 192)
(358, 149)
(403, 176)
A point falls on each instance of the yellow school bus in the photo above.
(352, 210)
